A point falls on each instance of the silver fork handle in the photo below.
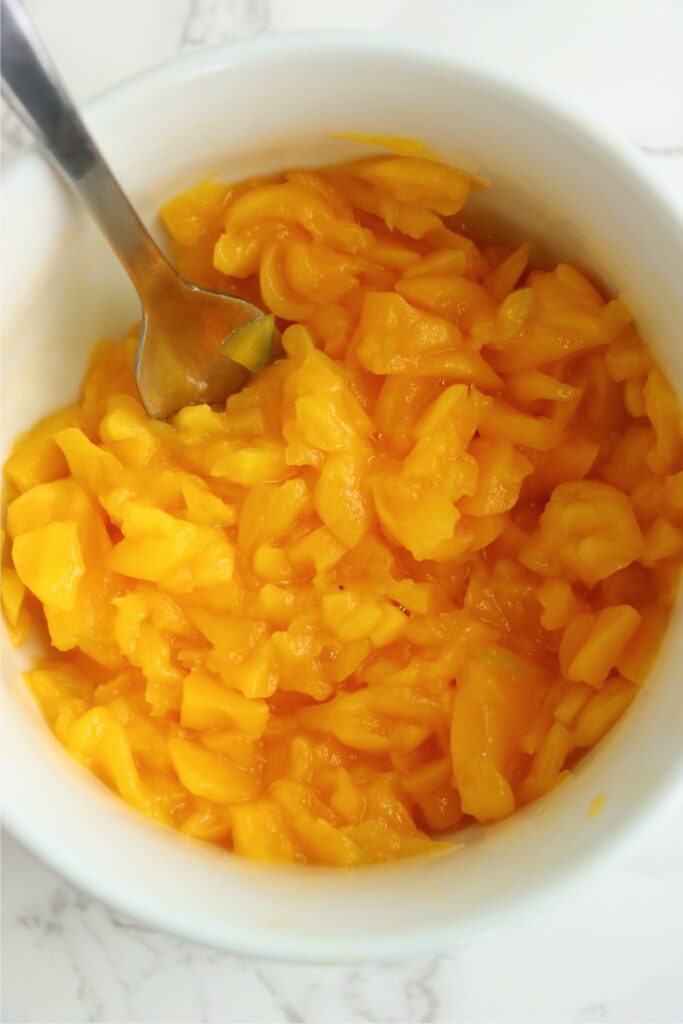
(39, 97)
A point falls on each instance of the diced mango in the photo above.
(341, 498)
(609, 634)
(502, 469)
(393, 337)
(50, 563)
(488, 719)
(587, 530)
(317, 551)
(403, 578)
(35, 458)
(207, 775)
(259, 832)
(602, 711)
(558, 603)
(208, 705)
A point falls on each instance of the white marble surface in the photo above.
(614, 953)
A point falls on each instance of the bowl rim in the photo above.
(211, 58)
(610, 844)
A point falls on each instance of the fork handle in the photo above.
(39, 97)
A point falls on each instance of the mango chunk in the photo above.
(587, 530)
(207, 775)
(52, 577)
(208, 705)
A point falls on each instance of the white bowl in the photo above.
(258, 106)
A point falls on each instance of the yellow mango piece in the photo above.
(501, 471)
(562, 321)
(574, 697)
(318, 274)
(418, 181)
(251, 465)
(345, 798)
(208, 704)
(441, 457)
(226, 630)
(558, 602)
(257, 676)
(602, 711)
(270, 511)
(276, 604)
(401, 401)
(462, 301)
(204, 507)
(611, 631)
(196, 212)
(57, 687)
(626, 358)
(382, 843)
(414, 514)
(331, 326)
(349, 616)
(157, 546)
(662, 540)
(512, 317)
(647, 498)
(271, 563)
(349, 719)
(245, 412)
(259, 832)
(13, 593)
(341, 498)
(49, 561)
(503, 278)
(430, 786)
(98, 740)
(35, 458)
(291, 203)
(234, 745)
(324, 421)
(488, 720)
(321, 842)
(193, 423)
(571, 459)
(587, 530)
(207, 775)
(637, 657)
(533, 386)
(58, 500)
(391, 625)
(129, 430)
(484, 791)
(448, 261)
(503, 421)
(210, 823)
(546, 766)
(97, 469)
(318, 551)
(424, 598)
(155, 543)
(393, 337)
(459, 410)
(627, 464)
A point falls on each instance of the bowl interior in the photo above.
(258, 107)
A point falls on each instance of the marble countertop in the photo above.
(611, 954)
